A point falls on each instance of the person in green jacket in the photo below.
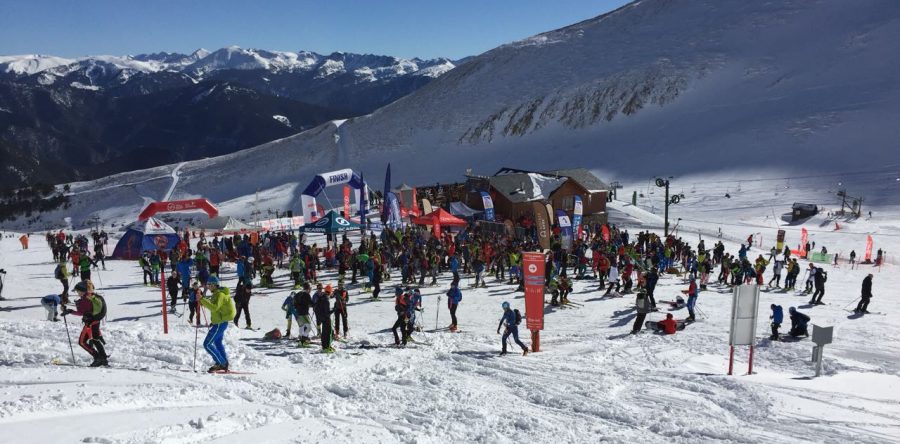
(84, 266)
(221, 312)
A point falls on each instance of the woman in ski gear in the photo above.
(62, 275)
(193, 298)
(511, 320)
(692, 299)
(668, 325)
(92, 309)
(221, 311)
(454, 296)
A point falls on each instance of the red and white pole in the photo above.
(162, 286)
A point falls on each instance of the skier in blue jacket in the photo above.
(777, 318)
(454, 267)
(511, 320)
(454, 296)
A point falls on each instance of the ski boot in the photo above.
(525, 351)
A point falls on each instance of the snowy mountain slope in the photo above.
(54, 104)
(731, 89)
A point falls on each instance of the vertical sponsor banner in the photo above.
(779, 241)
(415, 205)
(604, 231)
(533, 264)
(387, 189)
(550, 214)
(309, 207)
(426, 209)
(576, 215)
(804, 238)
(541, 224)
(363, 205)
(347, 202)
(565, 228)
(488, 206)
(869, 242)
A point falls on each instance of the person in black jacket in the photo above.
(302, 303)
(799, 322)
(340, 310)
(172, 287)
(401, 306)
(819, 281)
(650, 285)
(863, 306)
(242, 303)
(322, 309)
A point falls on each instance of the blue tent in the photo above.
(150, 234)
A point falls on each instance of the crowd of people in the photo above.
(412, 258)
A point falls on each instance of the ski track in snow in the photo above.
(174, 182)
(592, 382)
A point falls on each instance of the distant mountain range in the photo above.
(70, 119)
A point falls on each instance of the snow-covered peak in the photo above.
(200, 63)
(31, 63)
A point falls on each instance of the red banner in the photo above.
(179, 205)
(533, 264)
(868, 257)
(347, 202)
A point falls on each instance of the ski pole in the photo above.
(71, 350)
(852, 302)
(100, 278)
(437, 313)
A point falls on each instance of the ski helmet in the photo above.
(213, 280)
(505, 305)
(81, 286)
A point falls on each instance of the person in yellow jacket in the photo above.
(221, 312)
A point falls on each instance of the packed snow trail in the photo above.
(175, 175)
(591, 382)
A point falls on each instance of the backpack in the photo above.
(274, 334)
(822, 273)
(518, 316)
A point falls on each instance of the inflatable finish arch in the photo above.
(179, 205)
(324, 180)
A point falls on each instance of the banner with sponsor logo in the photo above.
(577, 213)
(488, 206)
(347, 202)
(533, 264)
(804, 238)
(565, 228)
(541, 224)
(779, 241)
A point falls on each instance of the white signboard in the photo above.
(744, 313)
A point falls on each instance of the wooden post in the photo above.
(535, 340)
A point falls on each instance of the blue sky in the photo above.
(405, 28)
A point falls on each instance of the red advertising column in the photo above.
(347, 202)
(533, 264)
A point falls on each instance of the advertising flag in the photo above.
(577, 213)
(346, 201)
(868, 257)
(488, 206)
(542, 225)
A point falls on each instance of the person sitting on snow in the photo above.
(668, 325)
(798, 323)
